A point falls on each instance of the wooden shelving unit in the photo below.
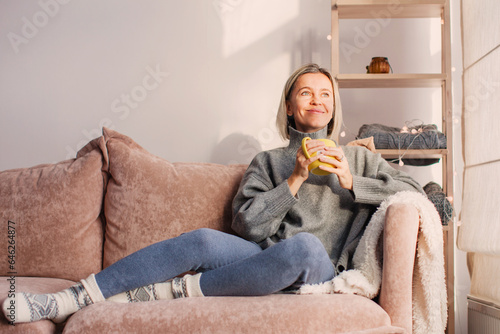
(401, 9)
(365, 9)
(413, 154)
(390, 80)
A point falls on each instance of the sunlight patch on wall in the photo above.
(244, 22)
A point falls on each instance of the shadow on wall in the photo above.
(236, 148)
(302, 29)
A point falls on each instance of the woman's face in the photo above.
(311, 102)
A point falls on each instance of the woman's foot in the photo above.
(179, 287)
(29, 307)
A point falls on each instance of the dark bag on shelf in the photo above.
(438, 198)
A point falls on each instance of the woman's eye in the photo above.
(304, 93)
(325, 95)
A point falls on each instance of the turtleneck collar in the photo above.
(297, 136)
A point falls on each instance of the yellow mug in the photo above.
(314, 166)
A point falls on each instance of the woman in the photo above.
(274, 203)
(299, 228)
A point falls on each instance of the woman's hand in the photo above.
(341, 166)
(301, 172)
(331, 155)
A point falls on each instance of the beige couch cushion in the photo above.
(267, 314)
(54, 210)
(149, 199)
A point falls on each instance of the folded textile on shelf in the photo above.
(425, 136)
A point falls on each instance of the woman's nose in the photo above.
(314, 100)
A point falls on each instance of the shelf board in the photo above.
(382, 80)
(413, 154)
(369, 9)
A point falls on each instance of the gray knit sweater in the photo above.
(265, 211)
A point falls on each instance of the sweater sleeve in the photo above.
(374, 179)
(259, 207)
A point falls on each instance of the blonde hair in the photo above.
(283, 121)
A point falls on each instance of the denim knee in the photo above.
(306, 250)
(205, 241)
(203, 237)
(210, 249)
(306, 257)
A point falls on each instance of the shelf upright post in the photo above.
(335, 35)
(448, 164)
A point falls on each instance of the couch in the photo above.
(64, 221)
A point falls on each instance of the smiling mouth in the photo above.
(316, 111)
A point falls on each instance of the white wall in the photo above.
(69, 67)
(196, 80)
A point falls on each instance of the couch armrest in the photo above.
(400, 239)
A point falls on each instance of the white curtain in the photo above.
(479, 233)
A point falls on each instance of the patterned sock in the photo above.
(57, 307)
(187, 286)
(179, 287)
(157, 291)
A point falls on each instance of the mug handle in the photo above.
(304, 148)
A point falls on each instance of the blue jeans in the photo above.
(231, 266)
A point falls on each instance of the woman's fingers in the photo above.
(340, 166)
